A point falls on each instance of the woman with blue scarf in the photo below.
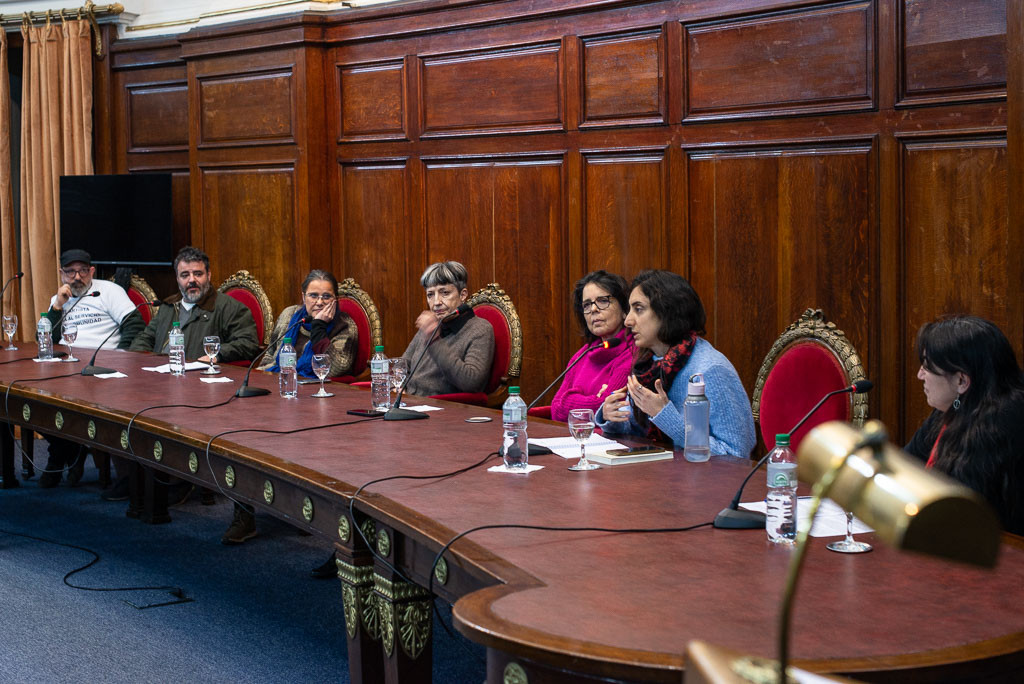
(327, 331)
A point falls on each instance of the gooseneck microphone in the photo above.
(4, 290)
(396, 412)
(536, 449)
(731, 517)
(65, 312)
(246, 391)
(91, 368)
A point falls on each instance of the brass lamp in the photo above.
(910, 508)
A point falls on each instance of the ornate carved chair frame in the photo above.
(246, 281)
(349, 289)
(812, 327)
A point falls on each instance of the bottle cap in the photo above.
(696, 386)
(513, 390)
(287, 340)
(175, 324)
(782, 439)
(379, 348)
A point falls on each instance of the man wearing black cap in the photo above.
(96, 317)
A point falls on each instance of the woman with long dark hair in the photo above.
(667, 318)
(976, 432)
(599, 300)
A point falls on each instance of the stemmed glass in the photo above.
(848, 545)
(322, 366)
(10, 327)
(68, 335)
(399, 371)
(581, 426)
(211, 345)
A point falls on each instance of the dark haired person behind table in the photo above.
(976, 432)
(666, 318)
(330, 332)
(599, 300)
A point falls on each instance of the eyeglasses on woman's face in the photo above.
(596, 304)
(319, 296)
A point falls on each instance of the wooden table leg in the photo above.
(406, 622)
(154, 511)
(362, 623)
(7, 457)
(28, 443)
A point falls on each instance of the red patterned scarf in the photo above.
(647, 370)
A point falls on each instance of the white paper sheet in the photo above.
(567, 447)
(830, 522)
(212, 380)
(115, 374)
(423, 408)
(166, 368)
(518, 471)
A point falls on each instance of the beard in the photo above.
(195, 295)
(79, 288)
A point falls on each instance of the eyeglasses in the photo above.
(313, 296)
(72, 272)
(599, 304)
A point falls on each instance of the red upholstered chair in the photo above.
(494, 306)
(354, 301)
(810, 359)
(540, 412)
(246, 289)
(140, 292)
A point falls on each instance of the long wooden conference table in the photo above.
(548, 605)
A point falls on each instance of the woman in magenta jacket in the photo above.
(600, 301)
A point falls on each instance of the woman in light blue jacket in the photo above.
(666, 318)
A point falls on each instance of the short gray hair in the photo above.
(445, 273)
(190, 255)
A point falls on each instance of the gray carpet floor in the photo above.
(256, 615)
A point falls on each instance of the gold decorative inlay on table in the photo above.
(91, 430)
(369, 530)
(383, 543)
(268, 491)
(404, 611)
(124, 440)
(441, 570)
(514, 674)
(158, 450)
(58, 420)
(26, 412)
(358, 599)
(193, 462)
(229, 477)
(307, 509)
(344, 528)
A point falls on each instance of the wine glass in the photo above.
(322, 366)
(581, 426)
(399, 371)
(68, 335)
(10, 327)
(211, 345)
(848, 545)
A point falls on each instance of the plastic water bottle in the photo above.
(781, 501)
(380, 380)
(514, 449)
(696, 419)
(43, 336)
(287, 378)
(176, 349)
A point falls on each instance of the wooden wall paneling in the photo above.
(372, 101)
(623, 79)
(248, 108)
(625, 210)
(249, 221)
(377, 242)
(960, 254)
(157, 115)
(104, 103)
(497, 90)
(316, 153)
(820, 59)
(952, 51)
(775, 231)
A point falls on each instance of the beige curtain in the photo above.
(8, 240)
(56, 140)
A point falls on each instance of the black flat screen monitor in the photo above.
(123, 220)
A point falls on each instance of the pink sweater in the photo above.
(588, 383)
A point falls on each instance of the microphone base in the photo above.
(735, 519)
(404, 414)
(537, 450)
(97, 370)
(246, 391)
